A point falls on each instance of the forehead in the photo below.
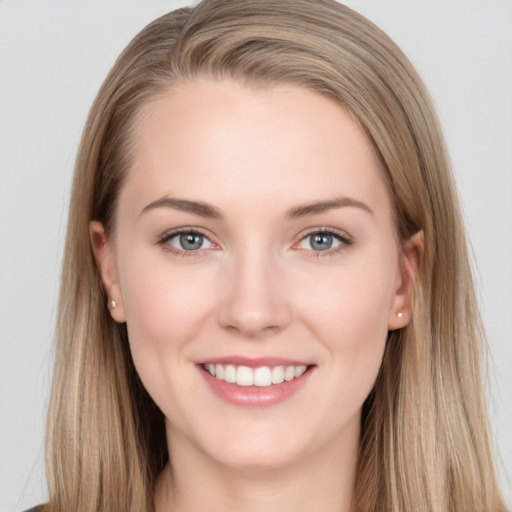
(284, 143)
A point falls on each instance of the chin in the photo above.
(257, 460)
(256, 454)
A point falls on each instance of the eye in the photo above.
(187, 241)
(320, 241)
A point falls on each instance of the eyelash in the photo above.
(345, 242)
(169, 235)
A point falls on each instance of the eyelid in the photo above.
(164, 238)
(344, 238)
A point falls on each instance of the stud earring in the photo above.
(400, 315)
(111, 305)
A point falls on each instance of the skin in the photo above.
(256, 288)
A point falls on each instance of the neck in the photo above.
(323, 481)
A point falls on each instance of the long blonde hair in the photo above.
(424, 433)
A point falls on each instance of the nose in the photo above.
(254, 300)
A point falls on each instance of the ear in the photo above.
(105, 260)
(412, 253)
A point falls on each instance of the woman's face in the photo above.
(254, 241)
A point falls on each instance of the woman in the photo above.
(266, 299)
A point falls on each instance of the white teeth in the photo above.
(277, 374)
(230, 373)
(244, 376)
(263, 376)
(289, 373)
(299, 370)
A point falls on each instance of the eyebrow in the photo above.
(323, 206)
(183, 205)
(209, 211)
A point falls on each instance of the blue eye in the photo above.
(188, 241)
(323, 241)
(191, 241)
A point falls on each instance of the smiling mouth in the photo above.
(262, 376)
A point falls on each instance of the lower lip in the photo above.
(254, 396)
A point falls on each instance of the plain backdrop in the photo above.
(53, 58)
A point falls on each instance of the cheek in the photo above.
(348, 311)
(353, 297)
(164, 305)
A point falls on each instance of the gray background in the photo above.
(54, 56)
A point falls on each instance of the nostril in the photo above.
(253, 322)
(252, 300)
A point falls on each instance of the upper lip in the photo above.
(255, 362)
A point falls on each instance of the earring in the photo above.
(111, 305)
(400, 315)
